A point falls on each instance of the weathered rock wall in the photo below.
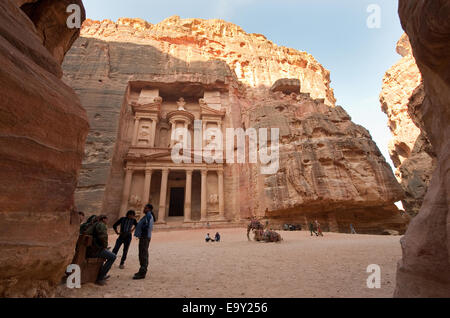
(409, 148)
(424, 270)
(42, 132)
(330, 168)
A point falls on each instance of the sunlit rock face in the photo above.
(42, 133)
(410, 149)
(255, 60)
(424, 270)
(330, 169)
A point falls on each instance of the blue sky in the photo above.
(335, 32)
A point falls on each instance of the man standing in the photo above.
(312, 229)
(318, 229)
(99, 248)
(352, 229)
(127, 225)
(144, 232)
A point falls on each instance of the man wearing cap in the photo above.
(144, 233)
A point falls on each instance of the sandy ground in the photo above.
(183, 265)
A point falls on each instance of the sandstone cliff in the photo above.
(409, 149)
(424, 270)
(42, 132)
(330, 167)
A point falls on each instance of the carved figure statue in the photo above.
(181, 103)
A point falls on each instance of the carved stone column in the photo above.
(172, 133)
(153, 138)
(188, 197)
(126, 191)
(203, 210)
(221, 194)
(204, 125)
(147, 184)
(136, 131)
(162, 197)
(186, 134)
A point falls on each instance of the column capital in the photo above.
(189, 171)
(148, 170)
(165, 170)
(204, 172)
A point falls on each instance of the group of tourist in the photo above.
(314, 228)
(215, 239)
(97, 228)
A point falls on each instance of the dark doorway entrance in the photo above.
(176, 202)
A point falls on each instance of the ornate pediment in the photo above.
(180, 115)
(151, 108)
(208, 111)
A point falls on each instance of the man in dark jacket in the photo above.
(144, 232)
(127, 225)
(312, 228)
(99, 249)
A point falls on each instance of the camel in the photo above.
(253, 226)
(267, 236)
(261, 235)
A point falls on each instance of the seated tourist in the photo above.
(99, 248)
(217, 237)
(208, 238)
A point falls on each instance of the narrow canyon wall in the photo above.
(330, 168)
(410, 149)
(424, 270)
(42, 132)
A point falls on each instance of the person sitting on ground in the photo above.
(217, 237)
(127, 225)
(99, 248)
(208, 238)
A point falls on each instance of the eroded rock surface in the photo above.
(424, 270)
(330, 168)
(409, 148)
(42, 132)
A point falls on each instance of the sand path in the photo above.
(183, 265)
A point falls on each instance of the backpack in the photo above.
(85, 226)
